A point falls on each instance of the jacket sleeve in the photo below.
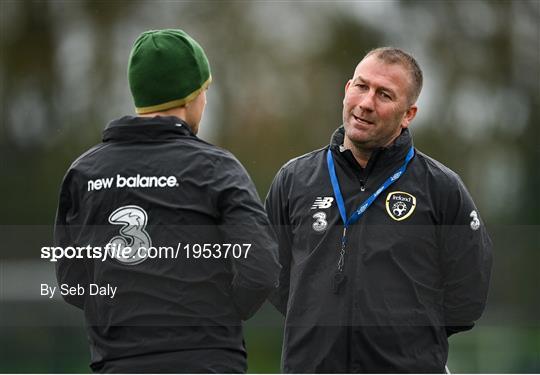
(277, 208)
(466, 260)
(244, 221)
(68, 271)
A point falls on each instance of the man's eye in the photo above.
(361, 86)
(385, 95)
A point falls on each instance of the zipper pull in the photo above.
(362, 185)
(339, 277)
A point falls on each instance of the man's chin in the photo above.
(357, 137)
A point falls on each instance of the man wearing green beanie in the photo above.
(167, 71)
(187, 252)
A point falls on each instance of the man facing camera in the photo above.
(190, 250)
(383, 251)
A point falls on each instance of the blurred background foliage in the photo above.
(279, 72)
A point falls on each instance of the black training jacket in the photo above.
(417, 264)
(152, 183)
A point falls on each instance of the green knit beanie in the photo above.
(167, 69)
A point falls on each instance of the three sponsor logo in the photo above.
(321, 203)
(132, 234)
(475, 222)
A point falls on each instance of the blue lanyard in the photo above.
(365, 205)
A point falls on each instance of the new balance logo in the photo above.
(322, 203)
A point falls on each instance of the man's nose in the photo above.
(366, 101)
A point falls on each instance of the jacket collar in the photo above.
(131, 128)
(383, 156)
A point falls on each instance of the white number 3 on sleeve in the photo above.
(475, 223)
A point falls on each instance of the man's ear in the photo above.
(409, 116)
(348, 84)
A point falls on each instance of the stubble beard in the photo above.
(363, 146)
(367, 146)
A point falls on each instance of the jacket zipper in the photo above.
(358, 262)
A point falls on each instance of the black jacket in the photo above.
(415, 271)
(152, 183)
